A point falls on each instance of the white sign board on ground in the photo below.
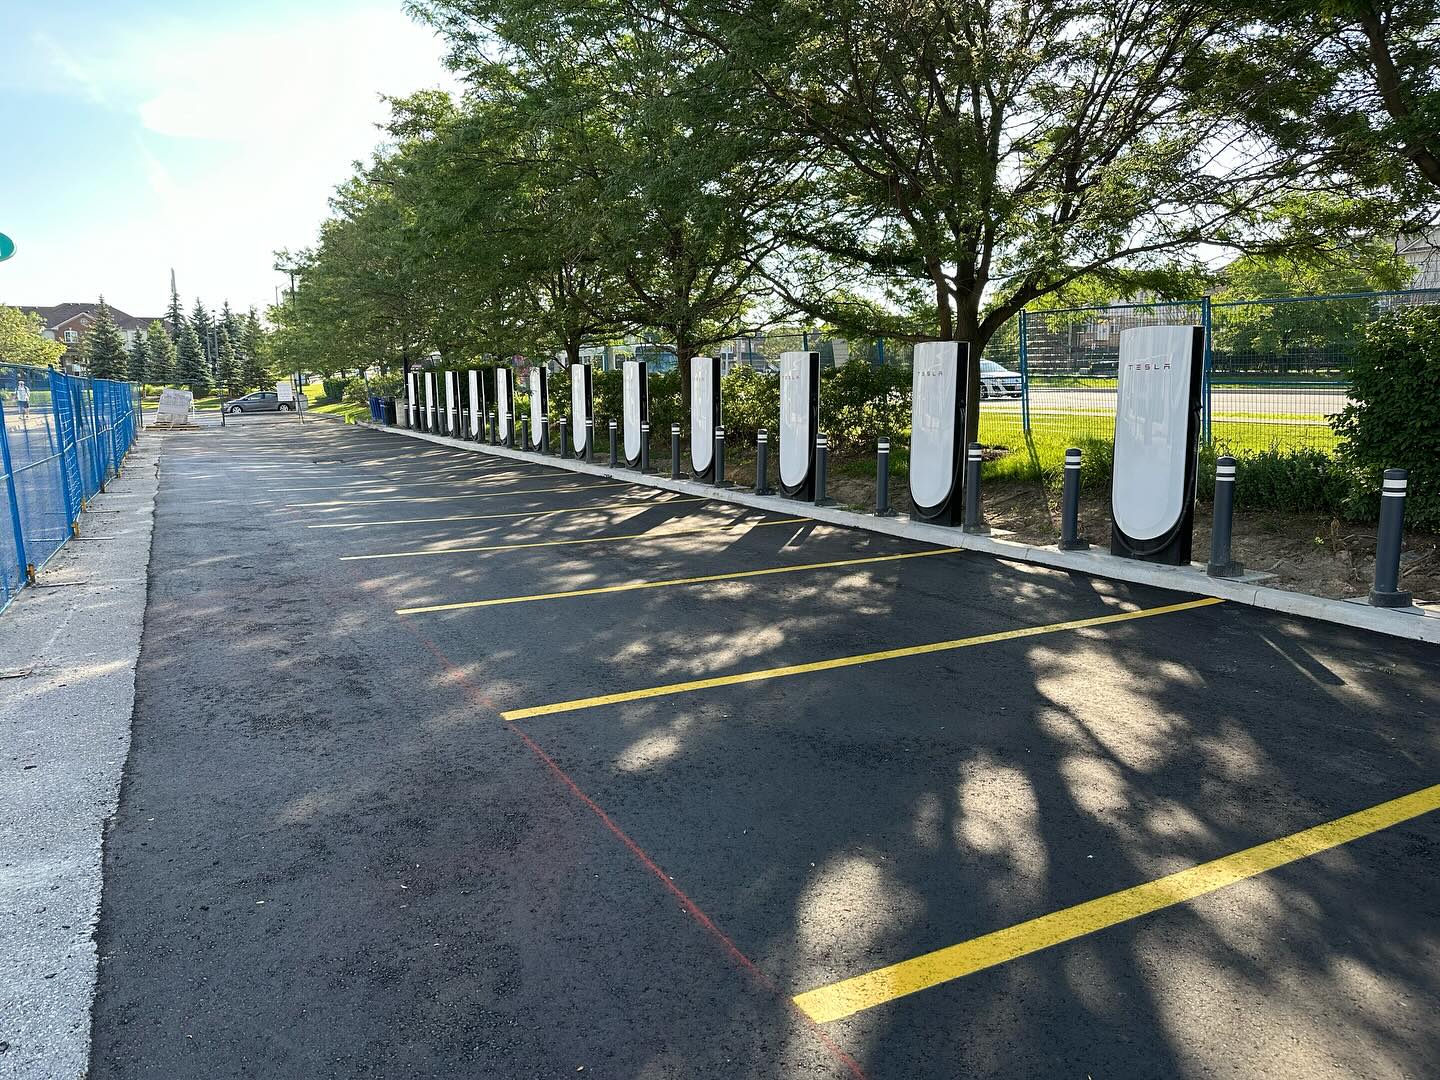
(636, 408)
(539, 404)
(582, 404)
(799, 415)
(937, 430)
(175, 406)
(704, 414)
(284, 391)
(477, 404)
(452, 402)
(1157, 413)
(503, 386)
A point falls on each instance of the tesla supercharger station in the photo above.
(799, 422)
(505, 403)
(412, 412)
(539, 405)
(637, 408)
(477, 403)
(704, 415)
(432, 422)
(937, 431)
(1157, 428)
(452, 403)
(582, 404)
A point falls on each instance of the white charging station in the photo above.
(504, 403)
(452, 403)
(477, 403)
(582, 404)
(799, 422)
(1157, 433)
(705, 415)
(636, 408)
(539, 405)
(937, 431)
(432, 420)
(412, 389)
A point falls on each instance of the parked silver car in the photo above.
(997, 381)
(259, 401)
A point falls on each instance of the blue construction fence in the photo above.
(65, 437)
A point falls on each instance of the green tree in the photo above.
(162, 355)
(254, 372)
(204, 327)
(973, 158)
(139, 359)
(175, 314)
(191, 368)
(228, 370)
(105, 346)
(22, 340)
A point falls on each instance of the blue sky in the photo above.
(139, 136)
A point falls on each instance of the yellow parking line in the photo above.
(642, 504)
(847, 661)
(862, 992)
(388, 499)
(633, 585)
(583, 540)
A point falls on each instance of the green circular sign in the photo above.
(7, 247)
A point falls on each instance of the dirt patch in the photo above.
(1309, 553)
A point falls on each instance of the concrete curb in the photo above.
(1419, 625)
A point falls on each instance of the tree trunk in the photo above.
(572, 352)
(967, 329)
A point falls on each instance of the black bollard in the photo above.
(544, 434)
(1386, 592)
(612, 443)
(762, 463)
(492, 421)
(508, 431)
(589, 440)
(720, 480)
(564, 442)
(882, 479)
(1070, 504)
(674, 451)
(645, 446)
(974, 522)
(1221, 564)
(525, 432)
(822, 469)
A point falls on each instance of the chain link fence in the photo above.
(64, 437)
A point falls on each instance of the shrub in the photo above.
(355, 392)
(332, 389)
(749, 401)
(1393, 420)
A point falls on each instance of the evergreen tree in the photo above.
(204, 327)
(231, 323)
(256, 373)
(174, 315)
(162, 355)
(227, 366)
(139, 359)
(105, 347)
(191, 369)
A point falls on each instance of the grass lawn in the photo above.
(346, 410)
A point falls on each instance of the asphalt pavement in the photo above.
(447, 765)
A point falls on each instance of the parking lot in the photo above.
(450, 765)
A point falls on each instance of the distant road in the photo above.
(1257, 404)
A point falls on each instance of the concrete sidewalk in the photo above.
(67, 650)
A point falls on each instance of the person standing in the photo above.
(22, 396)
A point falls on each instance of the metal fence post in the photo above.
(1070, 508)
(882, 479)
(1386, 592)
(14, 500)
(1221, 562)
(1209, 356)
(762, 463)
(1024, 374)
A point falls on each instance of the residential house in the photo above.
(69, 323)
